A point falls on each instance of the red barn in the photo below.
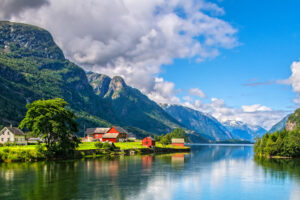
(115, 134)
(95, 133)
(148, 142)
(178, 142)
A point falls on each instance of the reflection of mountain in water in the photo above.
(213, 153)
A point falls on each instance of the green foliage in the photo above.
(98, 145)
(284, 143)
(8, 154)
(164, 141)
(54, 123)
(108, 146)
(177, 133)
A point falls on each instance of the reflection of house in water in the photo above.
(178, 158)
(113, 168)
(147, 161)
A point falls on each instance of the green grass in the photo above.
(27, 147)
(126, 145)
(91, 145)
(130, 145)
(170, 146)
(86, 146)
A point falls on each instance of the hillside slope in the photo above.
(131, 106)
(201, 123)
(280, 125)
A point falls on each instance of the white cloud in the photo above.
(197, 92)
(250, 114)
(295, 77)
(255, 108)
(133, 38)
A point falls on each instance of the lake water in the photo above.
(208, 172)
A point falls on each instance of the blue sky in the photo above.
(269, 37)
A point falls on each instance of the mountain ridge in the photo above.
(201, 123)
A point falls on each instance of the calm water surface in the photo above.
(208, 172)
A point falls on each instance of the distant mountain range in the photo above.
(242, 131)
(201, 123)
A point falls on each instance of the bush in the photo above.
(17, 154)
(108, 146)
(98, 145)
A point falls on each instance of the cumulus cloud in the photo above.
(197, 92)
(295, 77)
(132, 38)
(10, 8)
(250, 114)
(255, 108)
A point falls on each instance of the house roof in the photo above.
(110, 135)
(14, 130)
(96, 130)
(120, 129)
(131, 135)
(177, 140)
(151, 138)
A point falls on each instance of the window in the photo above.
(2, 139)
(8, 139)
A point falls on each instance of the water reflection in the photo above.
(208, 172)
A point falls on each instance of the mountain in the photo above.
(131, 106)
(33, 67)
(293, 121)
(201, 123)
(242, 131)
(280, 125)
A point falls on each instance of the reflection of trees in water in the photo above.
(39, 180)
(279, 168)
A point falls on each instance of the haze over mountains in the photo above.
(33, 67)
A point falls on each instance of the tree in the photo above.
(51, 120)
(164, 141)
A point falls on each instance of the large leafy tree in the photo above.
(51, 120)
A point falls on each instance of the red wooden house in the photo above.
(148, 142)
(178, 142)
(115, 134)
(95, 133)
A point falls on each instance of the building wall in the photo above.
(148, 142)
(7, 136)
(20, 139)
(109, 140)
(98, 135)
(178, 144)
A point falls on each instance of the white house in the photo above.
(12, 134)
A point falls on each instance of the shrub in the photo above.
(108, 146)
(98, 145)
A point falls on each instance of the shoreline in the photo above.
(92, 153)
